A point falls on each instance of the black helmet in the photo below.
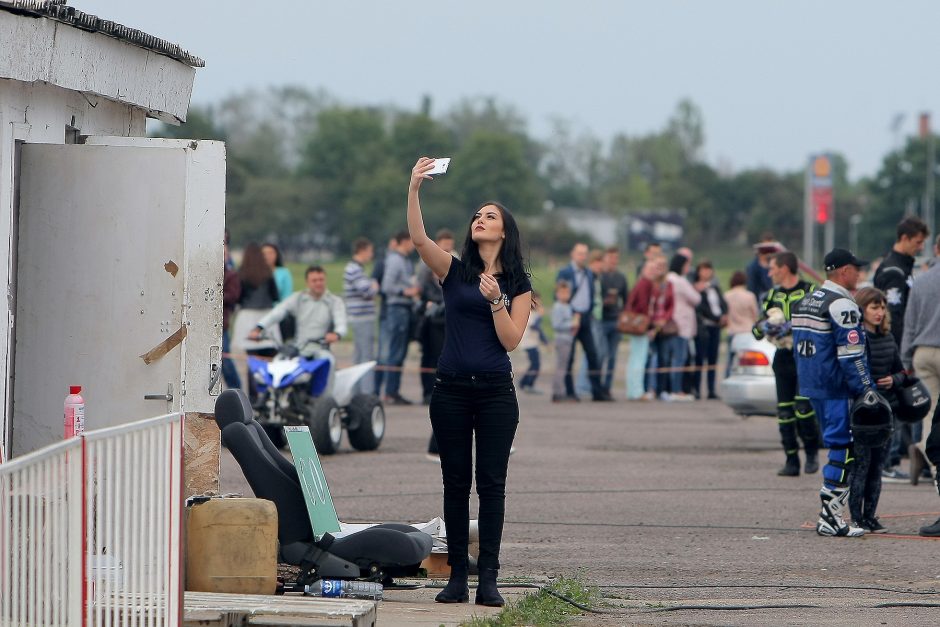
(871, 419)
(913, 401)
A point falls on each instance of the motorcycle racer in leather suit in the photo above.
(829, 347)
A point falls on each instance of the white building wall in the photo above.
(40, 113)
(48, 110)
(40, 49)
(55, 77)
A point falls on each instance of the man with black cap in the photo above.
(829, 346)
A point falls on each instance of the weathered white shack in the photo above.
(112, 240)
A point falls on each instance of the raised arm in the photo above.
(432, 254)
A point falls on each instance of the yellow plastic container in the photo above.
(231, 546)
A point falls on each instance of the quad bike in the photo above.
(296, 390)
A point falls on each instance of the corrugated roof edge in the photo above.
(59, 11)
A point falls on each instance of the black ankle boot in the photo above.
(812, 462)
(791, 468)
(487, 594)
(456, 590)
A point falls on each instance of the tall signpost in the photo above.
(819, 208)
(927, 204)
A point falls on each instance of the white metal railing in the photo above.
(90, 530)
(40, 537)
(133, 487)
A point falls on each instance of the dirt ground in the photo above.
(662, 505)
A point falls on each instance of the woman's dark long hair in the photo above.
(677, 263)
(278, 259)
(511, 261)
(254, 269)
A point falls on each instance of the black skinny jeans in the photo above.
(865, 481)
(707, 343)
(464, 406)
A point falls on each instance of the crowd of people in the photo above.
(397, 302)
(855, 369)
(673, 317)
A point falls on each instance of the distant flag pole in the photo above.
(928, 207)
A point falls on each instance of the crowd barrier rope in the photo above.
(242, 358)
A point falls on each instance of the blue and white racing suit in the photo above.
(829, 347)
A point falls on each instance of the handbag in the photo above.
(633, 323)
(670, 328)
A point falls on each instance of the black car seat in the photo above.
(378, 553)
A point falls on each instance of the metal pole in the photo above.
(854, 221)
(929, 189)
(830, 228)
(809, 220)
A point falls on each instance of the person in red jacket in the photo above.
(652, 295)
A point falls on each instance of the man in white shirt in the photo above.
(320, 315)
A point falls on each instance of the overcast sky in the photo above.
(775, 81)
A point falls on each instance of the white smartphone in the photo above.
(440, 166)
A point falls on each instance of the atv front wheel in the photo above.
(366, 422)
(326, 426)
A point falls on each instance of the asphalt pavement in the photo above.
(663, 506)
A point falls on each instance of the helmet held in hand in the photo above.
(871, 419)
(913, 401)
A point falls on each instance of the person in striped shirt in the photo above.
(359, 291)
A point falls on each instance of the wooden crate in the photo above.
(208, 609)
(436, 565)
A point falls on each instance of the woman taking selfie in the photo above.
(487, 300)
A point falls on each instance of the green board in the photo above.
(312, 481)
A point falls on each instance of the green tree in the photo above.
(375, 207)
(200, 124)
(473, 115)
(896, 190)
(687, 126)
(570, 168)
(418, 135)
(492, 166)
(286, 115)
(288, 210)
(346, 143)
(762, 200)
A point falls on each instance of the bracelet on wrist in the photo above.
(497, 309)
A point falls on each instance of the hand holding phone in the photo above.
(440, 166)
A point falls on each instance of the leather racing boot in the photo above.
(831, 517)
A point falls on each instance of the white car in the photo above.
(751, 389)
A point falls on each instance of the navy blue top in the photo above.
(471, 345)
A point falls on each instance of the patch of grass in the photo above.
(540, 608)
